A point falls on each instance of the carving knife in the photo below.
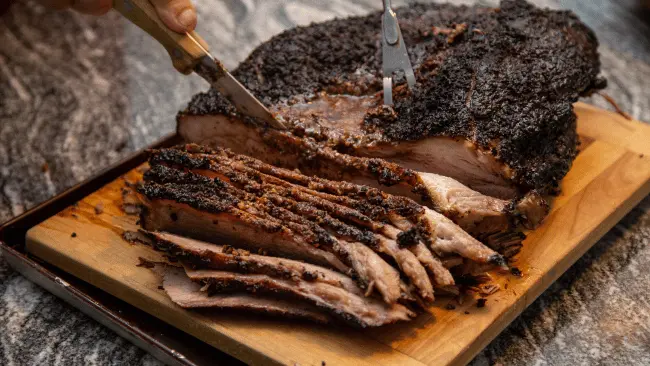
(189, 53)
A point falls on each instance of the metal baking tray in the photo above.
(166, 343)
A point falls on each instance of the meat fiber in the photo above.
(492, 107)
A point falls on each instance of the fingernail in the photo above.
(187, 18)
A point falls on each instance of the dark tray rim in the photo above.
(166, 343)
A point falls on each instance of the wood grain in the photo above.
(608, 178)
(613, 128)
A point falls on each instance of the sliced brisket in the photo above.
(187, 294)
(354, 309)
(220, 197)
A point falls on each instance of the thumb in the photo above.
(178, 15)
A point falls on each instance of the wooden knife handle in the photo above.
(185, 53)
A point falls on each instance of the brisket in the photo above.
(492, 107)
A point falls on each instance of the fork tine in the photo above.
(388, 91)
(410, 77)
(394, 53)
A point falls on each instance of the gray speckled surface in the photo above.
(77, 93)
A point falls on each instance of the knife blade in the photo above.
(190, 53)
(213, 71)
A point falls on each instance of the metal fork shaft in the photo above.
(394, 53)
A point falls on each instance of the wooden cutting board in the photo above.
(609, 177)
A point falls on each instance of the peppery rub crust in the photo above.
(373, 202)
(505, 81)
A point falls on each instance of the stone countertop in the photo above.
(78, 93)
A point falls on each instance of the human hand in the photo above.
(178, 15)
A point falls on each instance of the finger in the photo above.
(93, 7)
(178, 15)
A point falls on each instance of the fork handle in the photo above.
(184, 52)
(390, 30)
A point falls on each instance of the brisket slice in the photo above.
(492, 107)
(430, 261)
(187, 294)
(356, 310)
(226, 258)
